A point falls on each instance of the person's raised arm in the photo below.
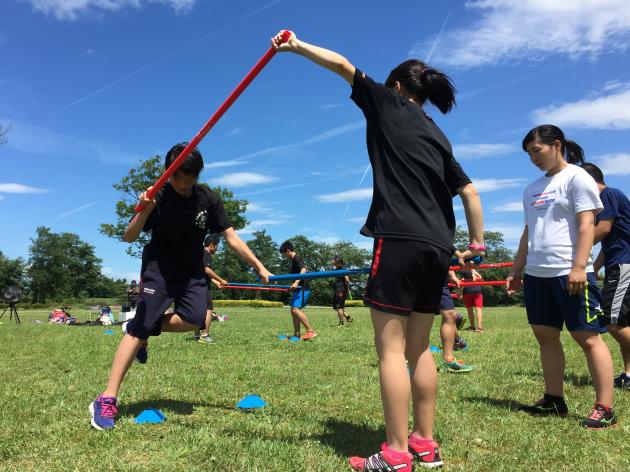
(137, 223)
(243, 251)
(324, 57)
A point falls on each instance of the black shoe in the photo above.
(600, 418)
(622, 381)
(547, 406)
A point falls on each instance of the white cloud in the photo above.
(516, 207)
(230, 163)
(42, 141)
(614, 164)
(20, 188)
(511, 232)
(611, 111)
(326, 238)
(71, 212)
(348, 195)
(235, 131)
(242, 179)
(357, 219)
(74, 9)
(258, 225)
(324, 136)
(472, 151)
(509, 30)
(490, 185)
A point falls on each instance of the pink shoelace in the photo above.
(108, 410)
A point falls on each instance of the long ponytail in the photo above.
(424, 83)
(548, 134)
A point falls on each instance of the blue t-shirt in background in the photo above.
(616, 245)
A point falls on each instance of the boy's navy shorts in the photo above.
(446, 303)
(549, 304)
(406, 276)
(156, 295)
(339, 299)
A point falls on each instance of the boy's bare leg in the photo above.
(123, 359)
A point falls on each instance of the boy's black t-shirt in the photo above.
(178, 227)
(414, 172)
(467, 276)
(297, 264)
(207, 262)
(340, 282)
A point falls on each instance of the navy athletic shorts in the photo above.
(549, 304)
(156, 295)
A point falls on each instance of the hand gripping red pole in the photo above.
(262, 62)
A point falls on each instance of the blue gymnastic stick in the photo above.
(242, 284)
(319, 275)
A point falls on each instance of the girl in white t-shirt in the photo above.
(559, 282)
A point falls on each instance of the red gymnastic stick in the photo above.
(495, 265)
(213, 120)
(269, 289)
(479, 283)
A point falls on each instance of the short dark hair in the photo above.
(212, 239)
(594, 172)
(193, 163)
(286, 246)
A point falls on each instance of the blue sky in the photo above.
(89, 87)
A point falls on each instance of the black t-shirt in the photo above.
(178, 227)
(207, 262)
(340, 283)
(297, 264)
(468, 277)
(414, 172)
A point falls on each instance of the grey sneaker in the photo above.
(205, 340)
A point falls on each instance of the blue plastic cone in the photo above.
(282, 337)
(251, 402)
(150, 416)
(435, 349)
(294, 339)
(108, 331)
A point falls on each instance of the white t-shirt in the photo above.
(550, 205)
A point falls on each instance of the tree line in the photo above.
(61, 266)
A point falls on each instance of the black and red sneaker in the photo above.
(549, 405)
(601, 417)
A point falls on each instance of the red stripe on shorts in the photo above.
(377, 257)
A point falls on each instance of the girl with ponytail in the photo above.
(560, 287)
(412, 222)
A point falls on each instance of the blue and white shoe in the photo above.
(104, 412)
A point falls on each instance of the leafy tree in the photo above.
(62, 266)
(137, 180)
(12, 272)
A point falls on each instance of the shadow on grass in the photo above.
(176, 406)
(509, 405)
(350, 439)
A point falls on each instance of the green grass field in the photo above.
(323, 400)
